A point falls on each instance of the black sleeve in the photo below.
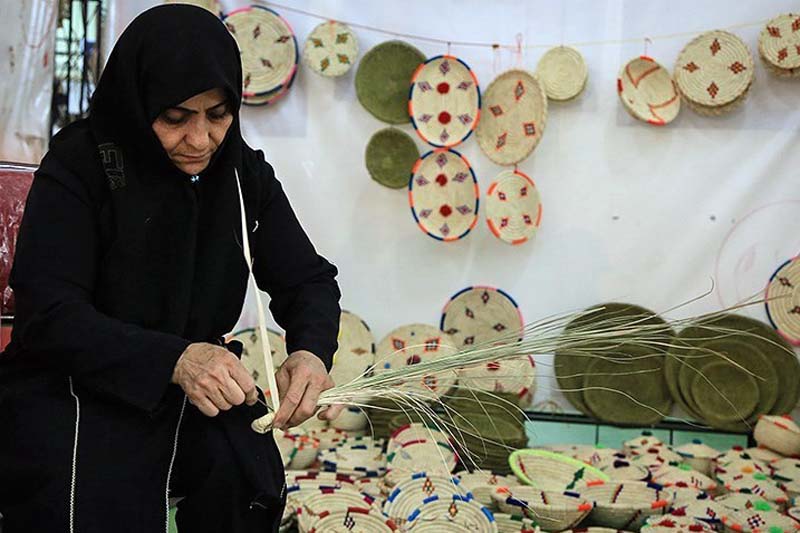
(53, 278)
(301, 283)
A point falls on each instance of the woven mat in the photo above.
(783, 299)
(383, 79)
(331, 49)
(647, 91)
(513, 207)
(779, 45)
(563, 72)
(390, 157)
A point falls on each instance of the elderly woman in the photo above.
(118, 391)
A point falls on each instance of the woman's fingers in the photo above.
(291, 399)
(308, 404)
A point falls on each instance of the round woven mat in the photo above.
(444, 196)
(444, 101)
(268, 48)
(269, 97)
(331, 49)
(390, 157)
(479, 314)
(779, 45)
(563, 72)
(714, 69)
(647, 91)
(570, 367)
(412, 490)
(209, 5)
(412, 344)
(457, 513)
(783, 300)
(628, 388)
(718, 111)
(513, 207)
(356, 352)
(513, 118)
(723, 393)
(253, 357)
(383, 77)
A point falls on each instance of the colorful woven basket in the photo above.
(699, 456)
(759, 519)
(483, 484)
(317, 504)
(443, 195)
(783, 299)
(683, 475)
(414, 432)
(714, 70)
(551, 510)
(553, 471)
(390, 157)
(423, 455)
(383, 77)
(626, 505)
(508, 523)
(331, 49)
(411, 492)
(674, 524)
(563, 72)
(779, 45)
(778, 433)
(356, 353)
(513, 207)
(268, 49)
(514, 117)
(444, 102)
(648, 92)
(456, 514)
(353, 520)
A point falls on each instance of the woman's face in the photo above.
(193, 130)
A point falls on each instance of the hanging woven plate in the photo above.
(412, 344)
(783, 300)
(270, 97)
(779, 45)
(208, 5)
(513, 118)
(513, 207)
(563, 72)
(252, 354)
(356, 351)
(443, 194)
(268, 49)
(648, 92)
(382, 80)
(715, 69)
(331, 49)
(390, 156)
(444, 101)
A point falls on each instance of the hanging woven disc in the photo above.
(356, 352)
(715, 69)
(563, 72)
(382, 80)
(647, 91)
(513, 118)
(331, 49)
(390, 156)
(444, 101)
(779, 45)
(268, 49)
(513, 207)
(443, 194)
(783, 300)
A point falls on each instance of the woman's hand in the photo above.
(213, 378)
(301, 379)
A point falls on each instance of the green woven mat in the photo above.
(383, 80)
(723, 393)
(390, 156)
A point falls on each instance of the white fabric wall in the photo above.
(631, 212)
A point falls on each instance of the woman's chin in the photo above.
(192, 168)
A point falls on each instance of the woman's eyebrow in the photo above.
(187, 110)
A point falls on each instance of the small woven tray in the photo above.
(552, 511)
(552, 471)
(331, 49)
(563, 72)
(648, 92)
(778, 433)
(783, 299)
(390, 157)
(779, 45)
(626, 505)
(513, 207)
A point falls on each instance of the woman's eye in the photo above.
(218, 115)
(173, 119)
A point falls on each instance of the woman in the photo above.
(128, 271)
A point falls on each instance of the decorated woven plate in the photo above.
(479, 314)
(513, 118)
(552, 510)
(209, 5)
(270, 97)
(702, 507)
(552, 471)
(412, 344)
(390, 156)
(563, 72)
(647, 91)
(268, 49)
(714, 69)
(779, 45)
(320, 502)
(757, 484)
(444, 102)
(423, 456)
(674, 524)
(483, 484)
(383, 77)
(626, 505)
(252, 354)
(759, 519)
(414, 432)
(457, 513)
(513, 207)
(443, 194)
(683, 475)
(356, 352)
(412, 490)
(331, 49)
(783, 300)
(778, 433)
(353, 520)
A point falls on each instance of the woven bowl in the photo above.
(318, 503)
(423, 456)
(714, 69)
(562, 70)
(620, 469)
(331, 49)
(552, 511)
(513, 207)
(757, 520)
(514, 117)
(304, 453)
(411, 491)
(457, 514)
(391, 154)
(508, 523)
(673, 524)
(552, 471)
(626, 505)
(648, 92)
(783, 299)
(779, 434)
(483, 484)
(414, 432)
(683, 475)
(444, 102)
(353, 520)
(443, 195)
(778, 45)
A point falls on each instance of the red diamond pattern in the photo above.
(519, 91)
(774, 32)
(529, 128)
(796, 24)
(691, 67)
(783, 53)
(501, 141)
(713, 90)
(737, 68)
(715, 47)
(496, 110)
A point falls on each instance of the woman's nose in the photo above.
(197, 136)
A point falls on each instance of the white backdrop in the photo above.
(631, 212)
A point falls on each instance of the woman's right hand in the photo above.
(213, 378)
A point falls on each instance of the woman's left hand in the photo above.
(301, 379)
